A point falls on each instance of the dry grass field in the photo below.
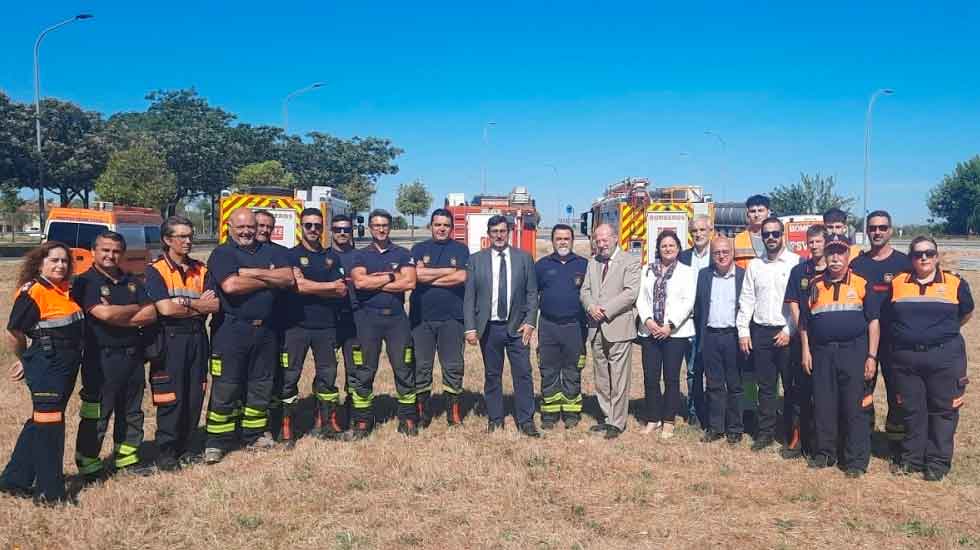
(464, 489)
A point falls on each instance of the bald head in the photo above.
(605, 240)
(721, 253)
(241, 226)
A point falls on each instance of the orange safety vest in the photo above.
(54, 303)
(846, 295)
(744, 252)
(179, 282)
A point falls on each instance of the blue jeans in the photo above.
(695, 385)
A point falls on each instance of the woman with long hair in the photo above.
(665, 306)
(44, 312)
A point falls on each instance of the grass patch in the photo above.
(806, 495)
(347, 540)
(916, 528)
(249, 522)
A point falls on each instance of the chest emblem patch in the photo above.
(304, 261)
(452, 261)
(426, 259)
(132, 288)
(104, 291)
(887, 277)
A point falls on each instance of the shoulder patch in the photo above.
(27, 286)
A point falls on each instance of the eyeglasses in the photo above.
(878, 228)
(772, 234)
(342, 229)
(923, 254)
(311, 226)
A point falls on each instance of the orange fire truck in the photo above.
(286, 206)
(470, 219)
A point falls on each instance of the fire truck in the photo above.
(286, 206)
(470, 219)
(639, 213)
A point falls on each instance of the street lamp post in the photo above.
(867, 146)
(285, 103)
(558, 195)
(37, 108)
(724, 154)
(483, 178)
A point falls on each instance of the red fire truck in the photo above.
(470, 219)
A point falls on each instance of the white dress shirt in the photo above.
(763, 293)
(721, 308)
(679, 309)
(700, 261)
(495, 282)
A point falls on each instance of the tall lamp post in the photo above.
(724, 154)
(867, 147)
(483, 178)
(37, 108)
(285, 103)
(557, 200)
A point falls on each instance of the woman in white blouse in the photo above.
(665, 307)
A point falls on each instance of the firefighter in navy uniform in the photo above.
(839, 340)
(312, 319)
(117, 306)
(342, 238)
(44, 312)
(245, 348)
(437, 316)
(184, 296)
(562, 330)
(799, 419)
(383, 272)
(879, 266)
(927, 307)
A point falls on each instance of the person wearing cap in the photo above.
(839, 340)
(765, 326)
(798, 415)
(879, 266)
(926, 309)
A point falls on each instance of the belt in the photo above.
(722, 329)
(253, 322)
(384, 311)
(53, 342)
(836, 345)
(920, 347)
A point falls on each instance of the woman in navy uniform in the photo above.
(928, 306)
(43, 311)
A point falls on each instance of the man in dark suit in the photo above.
(698, 257)
(715, 308)
(500, 310)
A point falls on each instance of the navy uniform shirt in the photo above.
(927, 314)
(838, 311)
(798, 285)
(309, 310)
(225, 261)
(432, 303)
(94, 286)
(559, 283)
(880, 274)
(41, 305)
(347, 262)
(389, 260)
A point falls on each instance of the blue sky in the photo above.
(598, 91)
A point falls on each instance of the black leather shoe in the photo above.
(733, 439)
(934, 475)
(791, 453)
(15, 491)
(167, 463)
(612, 432)
(493, 426)
(854, 473)
(530, 430)
(600, 428)
(819, 462)
(711, 436)
(762, 442)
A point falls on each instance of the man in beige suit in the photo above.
(611, 285)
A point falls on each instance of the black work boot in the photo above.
(423, 408)
(548, 421)
(571, 419)
(454, 411)
(330, 427)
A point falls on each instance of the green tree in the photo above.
(413, 200)
(957, 198)
(810, 195)
(10, 203)
(138, 176)
(268, 173)
(399, 222)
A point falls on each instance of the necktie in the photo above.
(502, 289)
(605, 269)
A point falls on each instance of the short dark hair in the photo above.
(497, 219)
(878, 214)
(379, 213)
(772, 219)
(667, 234)
(168, 226)
(835, 215)
(264, 212)
(341, 218)
(111, 236)
(311, 212)
(441, 212)
(817, 229)
(757, 200)
(562, 227)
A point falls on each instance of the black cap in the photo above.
(837, 241)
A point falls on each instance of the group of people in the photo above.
(824, 326)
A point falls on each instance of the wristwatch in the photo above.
(671, 326)
(391, 277)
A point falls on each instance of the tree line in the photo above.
(178, 149)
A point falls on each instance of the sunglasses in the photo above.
(342, 229)
(923, 254)
(311, 226)
(772, 234)
(878, 228)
